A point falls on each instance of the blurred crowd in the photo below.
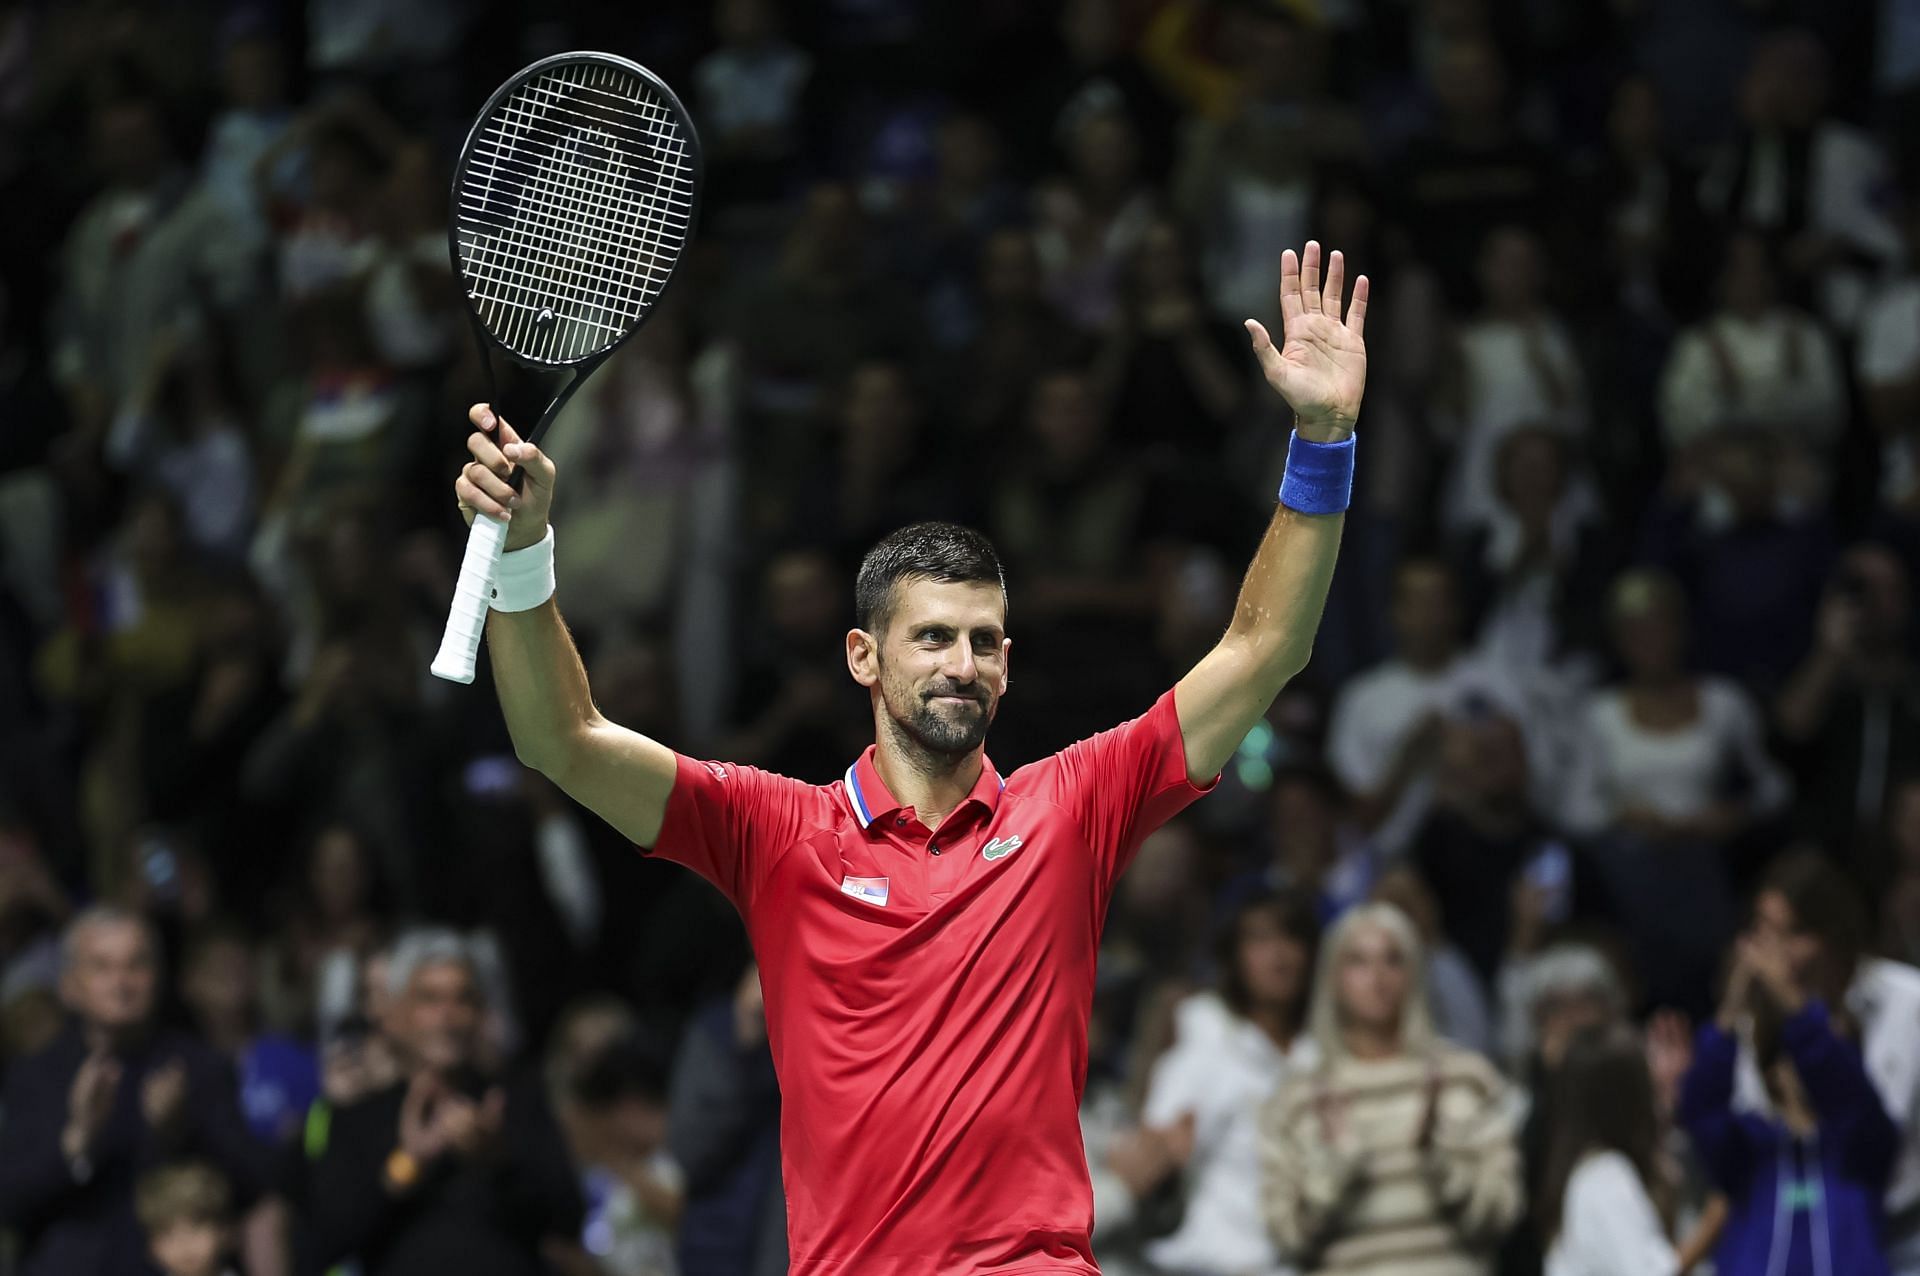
(1604, 783)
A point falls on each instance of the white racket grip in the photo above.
(467, 618)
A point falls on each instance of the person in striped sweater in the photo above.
(1396, 1152)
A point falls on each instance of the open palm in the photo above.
(1321, 369)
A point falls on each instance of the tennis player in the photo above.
(927, 928)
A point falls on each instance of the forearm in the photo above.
(1283, 595)
(541, 683)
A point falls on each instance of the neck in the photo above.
(933, 784)
(110, 1040)
(1275, 1022)
(1364, 1041)
(1428, 659)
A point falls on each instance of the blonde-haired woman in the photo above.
(1395, 1153)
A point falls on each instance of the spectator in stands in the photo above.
(1089, 220)
(448, 1169)
(1461, 1011)
(1849, 710)
(1396, 1149)
(187, 1214)
(1805, 177)
(114, 1094)
(1805, 1178)
(1807, 950)
(1757, 363)
(1611, 1197)
(615, 1119)
(1231, 1050)
(1517, 366)
(1887, 367)
(723, 1130)
(1388, 722)
(749, 92)
(279, 1076)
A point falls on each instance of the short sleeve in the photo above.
(1124, 783)
(730, 823)
(1609, 1223)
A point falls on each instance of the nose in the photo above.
(959, 667)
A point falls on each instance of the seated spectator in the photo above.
(1533, 573)
(187, 1213)
(1517, 367)
(749, 90)
(1016, 336)
(1809, 911)
(1809, 179)
(723, 1130)
(279, 1076)
(1461, 1010)
(1672, 770)
(1756, 363)
(1849, 712)
(1387, 723)
(615, 1120)
(1231, 1050)
(1396, 1150)
(1804, 1180)
(1669, 756)
(1887, 365)
(1610, 1204)
(1089, 220)
(1900, 901)
(1752, 568)
(1315, 846)
(449, 1168)
(114, 1094)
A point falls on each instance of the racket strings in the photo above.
(574, 206)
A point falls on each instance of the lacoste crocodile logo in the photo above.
(999, 848)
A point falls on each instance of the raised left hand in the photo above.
(1321, 369)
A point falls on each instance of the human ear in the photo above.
(863, 657)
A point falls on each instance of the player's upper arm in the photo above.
(1219, 701)
(622, 776)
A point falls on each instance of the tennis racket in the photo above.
(572, 205)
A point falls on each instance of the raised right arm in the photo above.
(620, 775)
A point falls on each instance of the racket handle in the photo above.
(467, 619)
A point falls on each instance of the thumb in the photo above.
(1263, 347)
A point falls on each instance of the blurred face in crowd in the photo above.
(745, 21)
(1747, 282)
(1161, 879)
(1066, 421)
(1786, 85)
(1273, 962)
(1009, 270)
(941, 664)
(1633, 122)
(1371, 981)
(129, 144)
(190, 1247)
(1470, 83)
(438, 1017)
(1104, 153)
(1774, 921)
(1426, 621)
(1649, 626)
(112, 976)
(1533, 474)
(337, 876)
(1484, 758)
(253, 76)
(1511, 271)
(220, 983)
(1161, 266)
(1562, 1015)
(1876, 581)
(801, 597)
(880, 416)
(1304, 830)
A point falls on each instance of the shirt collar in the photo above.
(867, 793)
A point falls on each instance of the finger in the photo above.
(539, 467)
(488, 453)
(1357, 312)
(1310, 277)
(1291, 307)
(1336, 283)
(475, 499)
(1263, 348)
(492, 484)
(483, 415)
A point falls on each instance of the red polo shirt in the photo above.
(928, 992)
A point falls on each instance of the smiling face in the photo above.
(938, 662)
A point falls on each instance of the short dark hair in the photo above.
(944, 552)
(627, 1069)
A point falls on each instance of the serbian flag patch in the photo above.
(871, 889)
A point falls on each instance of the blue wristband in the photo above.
(1319, 478)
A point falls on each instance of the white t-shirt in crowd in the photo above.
(1220, 1069)
(1608, 1225)
(1677, 773)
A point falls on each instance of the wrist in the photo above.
(1323, 429)
(1319, 477)
(525, 578)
